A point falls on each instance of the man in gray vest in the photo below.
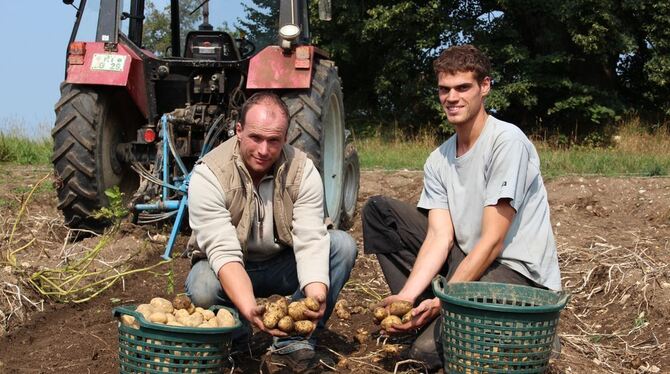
(482, 215)
(256, 211)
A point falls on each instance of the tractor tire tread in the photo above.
(74, 156)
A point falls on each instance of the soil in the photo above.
(612, 235)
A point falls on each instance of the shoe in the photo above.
(304, 361)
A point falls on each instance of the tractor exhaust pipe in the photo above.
(174, 28)
(293, 23)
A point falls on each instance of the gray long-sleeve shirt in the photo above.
(211, 223)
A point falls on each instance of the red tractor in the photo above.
(130, 118)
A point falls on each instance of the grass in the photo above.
(17, 147)
(632, 150)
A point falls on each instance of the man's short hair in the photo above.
(264, 97)
(463, 58)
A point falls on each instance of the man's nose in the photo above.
(452, 95)
(263, 147)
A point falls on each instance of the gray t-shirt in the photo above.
(503, 164)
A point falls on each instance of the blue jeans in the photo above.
(278, 276)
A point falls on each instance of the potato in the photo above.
(170, 317)
(280, 302)
(276, 309)
(198, 316)
(174, 323)
(285, 324)
(194, 320)
(145, 310)
(181, 313)
(207, 314)
(270, 318)
(191, 309)
(211, 323)
(380, 313)
(158, 317)
(161, 305)
(362, 336)
(297, 310)
(199, 309)
(389, 321)
(181, 302)
(311, 304)
(129, 321)
(303, 327)
(400, 308)
(225, 318)
(407, 317)
(160, 367)
(341, 309)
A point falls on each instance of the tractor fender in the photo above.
(122, 67)
(276, 68)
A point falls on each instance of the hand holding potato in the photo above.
(291, 318)
(316, 291)
(395, 314)
(256, 317)
(408, 318)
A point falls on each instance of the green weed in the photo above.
(595, 338)
(640, 321)
(115, 211)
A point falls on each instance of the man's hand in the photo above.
(318, 292)
(237, 285)
(255, 316)
(421, 315)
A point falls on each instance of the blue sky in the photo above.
(34, 35)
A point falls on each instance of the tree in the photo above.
(557, 65)
(156, 31)
(262, 24)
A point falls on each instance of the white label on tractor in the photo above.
(108, 62)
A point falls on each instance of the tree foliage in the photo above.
(557, 64)
(156, 34)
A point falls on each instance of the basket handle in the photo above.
(439, 283)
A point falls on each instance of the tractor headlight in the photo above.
(288, 33)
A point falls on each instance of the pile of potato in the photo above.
(179, 312)
(289, 318)
(398, 312)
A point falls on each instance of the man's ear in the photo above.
(238, 129)
(485, 86)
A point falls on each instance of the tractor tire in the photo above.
(90, 122)
(317, 127)
(352, 174)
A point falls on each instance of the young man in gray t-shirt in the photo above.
(483, 213)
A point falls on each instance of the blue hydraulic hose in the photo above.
(175, 228)
(165, 156)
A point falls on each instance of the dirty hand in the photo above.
(424, 313)
(317, 291)
(255, 317)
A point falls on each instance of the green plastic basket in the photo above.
(158, 348)
(497, 327)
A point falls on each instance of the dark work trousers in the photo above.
(394, 230)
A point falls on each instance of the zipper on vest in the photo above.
(260, 213)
